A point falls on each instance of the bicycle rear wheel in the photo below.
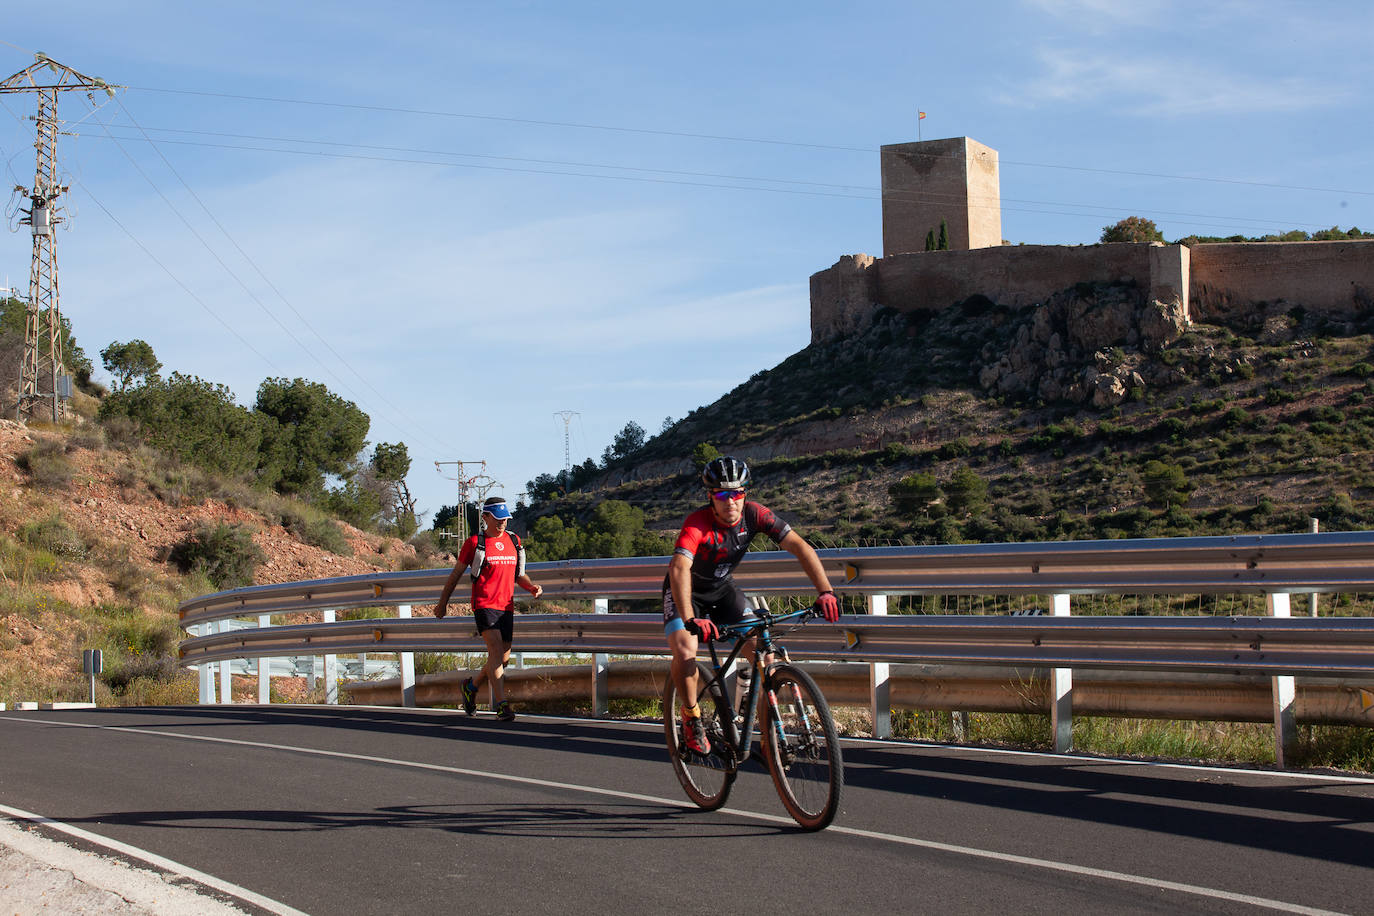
(706, 778)
(804, 760)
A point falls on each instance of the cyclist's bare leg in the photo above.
(683, 646)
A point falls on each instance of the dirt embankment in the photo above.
(126, 513)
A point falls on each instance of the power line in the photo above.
(414, 425)
(722, 138)
(186, 289)
(874, 193)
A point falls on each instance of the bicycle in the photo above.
(799, 741)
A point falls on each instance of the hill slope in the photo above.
(87, 531)
(1215, 429)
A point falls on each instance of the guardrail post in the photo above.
(1285, 693)
(407, 664)
(600, 666)
(1312, 526)
(206, 670)
(331, 670)
(226, 682)
(1061, 687)
(879, 680)
(264, 666)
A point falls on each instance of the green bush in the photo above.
(225, 554)
(47, 465)
(317, 532)
(914, 494)
(53, 535)
(1165, 484)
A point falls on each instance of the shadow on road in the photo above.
(1321, 820)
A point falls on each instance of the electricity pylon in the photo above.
(41, 372)
(479, 484)
(567, 416)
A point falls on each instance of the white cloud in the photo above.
(1104, 15)
(1166, 87)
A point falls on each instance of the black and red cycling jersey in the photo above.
(715, 549)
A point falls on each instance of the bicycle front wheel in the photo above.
(803, 748)
(706, 778)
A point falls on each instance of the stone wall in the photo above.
(1230, 280)
(1223, 282)
(1011, 275)
(849, 291)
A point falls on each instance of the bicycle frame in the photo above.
(760, 630)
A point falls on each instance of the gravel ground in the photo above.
(40, 875)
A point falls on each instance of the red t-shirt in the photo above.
(494, 586)
(716, 550)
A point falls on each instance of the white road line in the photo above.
(105, 877)
(1047, 864)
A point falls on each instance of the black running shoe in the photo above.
(469, 697)
(504, 713)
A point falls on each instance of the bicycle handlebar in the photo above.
(766, 620)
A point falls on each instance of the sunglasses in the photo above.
(728, 494)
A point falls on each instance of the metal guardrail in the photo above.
(1329, 647)
(1277, 646)
(1245, 564)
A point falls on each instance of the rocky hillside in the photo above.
(1094, 414)
(88, 530)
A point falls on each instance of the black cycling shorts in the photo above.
(504, 621)
(724, 603)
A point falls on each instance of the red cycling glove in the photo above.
(703, 627)
(829, 606)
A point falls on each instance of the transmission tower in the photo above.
(41, 371)
(469, 485)
(567, 416)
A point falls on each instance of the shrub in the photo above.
(53, 535)
(703, 453)
(317, 532)
(915, 493)
(47, 465)
(1165, 484)
(966, 491)
(226, 554)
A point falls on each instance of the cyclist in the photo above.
(495, 574)
(699, 591)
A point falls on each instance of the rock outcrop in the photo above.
(1082, 345)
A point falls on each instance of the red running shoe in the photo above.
(694, 735)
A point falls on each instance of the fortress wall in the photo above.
(1010, 275)
(843, 296)
(1170, 272)
(1228, 279)
(1217, 282)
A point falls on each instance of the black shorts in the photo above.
(724, 603)
(504, 621)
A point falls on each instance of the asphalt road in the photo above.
(365, 810)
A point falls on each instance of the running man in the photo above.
(498, 565)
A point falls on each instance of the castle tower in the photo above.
(954, 180)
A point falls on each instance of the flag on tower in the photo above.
(920, 115)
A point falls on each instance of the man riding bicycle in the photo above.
(699, 591)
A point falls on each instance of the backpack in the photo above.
(479, 556)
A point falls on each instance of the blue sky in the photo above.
(466, 217)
